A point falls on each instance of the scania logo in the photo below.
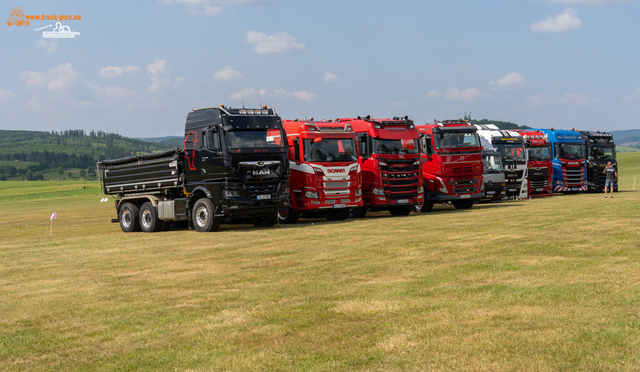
(399, 165)
(261, 172)
(336, 170)
(573, 163)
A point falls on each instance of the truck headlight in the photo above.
(311, 194)
(377, 191)
(231, 193)
(353, 169)
(443, 187)
(420, 190)
(358, 192)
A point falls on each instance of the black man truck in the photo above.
(234, 165)
(599, 149)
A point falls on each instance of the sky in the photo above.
(137, 68)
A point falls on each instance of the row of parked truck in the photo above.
(250, 164)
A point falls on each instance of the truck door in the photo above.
(210, 162)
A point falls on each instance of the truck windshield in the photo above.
(456, 139)
(511, 151)
(602, 153)
(492, 163)
(254, 138)
(538, 153)
(569, 150)
(330, 150)
(387, 146)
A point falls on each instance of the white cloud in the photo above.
(247, 92)
(510, 81)
(207, 10)
(227, 74)
(279, 42)
(160, 76)
(110, 92)
(48, 46)
(33, 78)
(5, 94)
(567, 20)
(60, 78)
(117, 71)
(453, 94)
(433, 94)
(330, 77)
(303, 95)
(634, 96)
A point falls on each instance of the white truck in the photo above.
(510, 145)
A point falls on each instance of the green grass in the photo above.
(543, 284)
(626, 149)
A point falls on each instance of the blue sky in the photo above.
(137, 68)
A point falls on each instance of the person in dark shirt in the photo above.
(612, 176)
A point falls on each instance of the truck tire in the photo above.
(202, 216)
(358, 212)
(288, 216)
(427, 207)
(128, 217)
(337, 214)
(149, 221)
(463, 204)
(403, 210)
(267, 221)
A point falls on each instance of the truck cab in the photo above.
(234, 165)
(510, 145)
(389, 158)
(451, 160)
(599, 149)
(493, 176)
(569, 162)
(540, 166)
(325, 174)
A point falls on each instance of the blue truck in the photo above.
(569, 162)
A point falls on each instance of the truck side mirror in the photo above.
(362, 149)
(426, 145)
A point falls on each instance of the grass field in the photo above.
(545, 284)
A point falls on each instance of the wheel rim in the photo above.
(146, 218)
(202, 216)
(126, 218)
(283, 214)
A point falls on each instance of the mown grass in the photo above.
(542, 284)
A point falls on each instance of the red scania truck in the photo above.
(325, 175)
(389, 157)
(540, 166)
(451, 164)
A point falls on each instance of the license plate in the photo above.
(339, 205)
(512, 190)
(491, 192)
(539, 190)
(402, 201)
(264, 197)
(465, 196)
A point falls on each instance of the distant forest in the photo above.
(72, 148)
(499, 124)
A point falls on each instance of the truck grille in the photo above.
(465, 190)
(538, 184)
(538, 174)
(336, 185)
(574, 176)
(400, 178)
(460, 171)
(263, 188)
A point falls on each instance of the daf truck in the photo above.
(451, 160)
(389, 158)
(510, 145)
(600, 150)
(325, 175)
(493, 176)
(233, 166)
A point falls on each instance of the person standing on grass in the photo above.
(612, 176)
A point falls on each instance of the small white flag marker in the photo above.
(104, 200)
(54, 216)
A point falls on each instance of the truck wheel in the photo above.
(463, 204)
(203, 218)
(267, 221)
(128, 216)
(400, 211)
(288, 216)
(427, 207)
(358, 212)
(149, 221)
(337, 214)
